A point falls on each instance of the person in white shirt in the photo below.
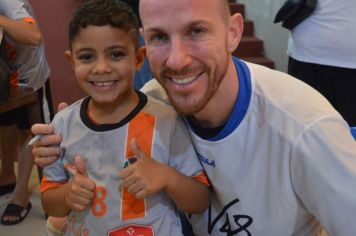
(322, 53)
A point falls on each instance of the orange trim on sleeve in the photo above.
(203, 178)
(141, 128)
(46, 184)
(29, 20)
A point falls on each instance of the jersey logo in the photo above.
(132, 230)
(205, 160)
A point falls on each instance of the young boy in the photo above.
(119, 172)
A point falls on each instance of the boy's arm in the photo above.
(147, 176)
(189, 194)
(24, 30)
(53, 201)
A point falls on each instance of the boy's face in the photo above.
(105, 60)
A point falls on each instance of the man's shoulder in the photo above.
(153, 89)
(287, 95)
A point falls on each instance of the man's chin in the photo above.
(187, 108)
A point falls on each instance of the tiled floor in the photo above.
(35, 221)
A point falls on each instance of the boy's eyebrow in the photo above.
(91, 49)
(83, 49)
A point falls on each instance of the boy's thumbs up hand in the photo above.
(80, 190)
(144, 177)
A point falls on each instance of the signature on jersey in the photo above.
(239, 224)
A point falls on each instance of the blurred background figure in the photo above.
(322, 53)
(28, 67)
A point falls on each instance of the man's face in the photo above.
(187, 47)
(105, 60)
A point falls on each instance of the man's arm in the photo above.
(24, 30)
(46, 150)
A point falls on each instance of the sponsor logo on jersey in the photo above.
(205, 160)
(132, 230)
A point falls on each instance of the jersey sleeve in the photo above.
(15, 9)
(183, 156)
(323, 170)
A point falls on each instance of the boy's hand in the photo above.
(80, 190)
(144, 177)
(46, 150)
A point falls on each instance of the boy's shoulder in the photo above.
(73, 108)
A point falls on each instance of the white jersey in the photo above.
(284, 164)
(29, 61)
(159, 132)
(328, 36)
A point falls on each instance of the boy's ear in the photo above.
(140, 57)
(69, 56)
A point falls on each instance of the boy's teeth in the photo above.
(183, 81)
(103, 83)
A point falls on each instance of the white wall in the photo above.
(275, 37)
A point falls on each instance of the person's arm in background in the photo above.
(24, 30)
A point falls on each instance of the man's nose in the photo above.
(179, 56)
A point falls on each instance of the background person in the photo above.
(322, 53)
(26, 58)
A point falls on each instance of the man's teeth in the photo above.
(183, 81)
(103, 84)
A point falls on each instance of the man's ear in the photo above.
(140, 57)
(69, 56)
(235, 29)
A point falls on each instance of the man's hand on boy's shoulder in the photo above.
(46, 150)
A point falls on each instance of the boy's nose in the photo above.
(102, 66)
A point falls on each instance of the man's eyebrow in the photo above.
(187, 26)
(152, 30)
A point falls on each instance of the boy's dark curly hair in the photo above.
(104, 12)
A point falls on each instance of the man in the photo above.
(281, 160)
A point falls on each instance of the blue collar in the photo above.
(241, 103)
